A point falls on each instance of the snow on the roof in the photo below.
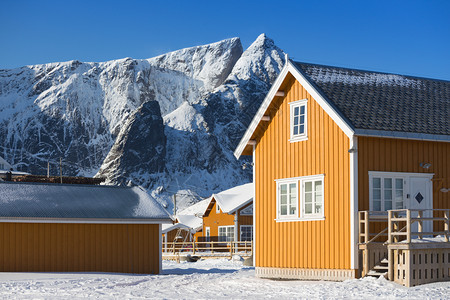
(63, 201)
(235, 198)
(191, 221)
(169, 227)
(197, 209)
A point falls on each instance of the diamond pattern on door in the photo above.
(419, 197)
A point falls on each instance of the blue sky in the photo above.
(404, 37)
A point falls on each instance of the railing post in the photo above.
(366, 226)
(390, 251)
(231, 250)
(447, 223)
(390, 226)
(408, 226)
(420, 223)
(193, 247)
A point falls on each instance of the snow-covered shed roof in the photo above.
(235, 198)
(169, 227)
(191, 217)
(191, 221)
(69, 203)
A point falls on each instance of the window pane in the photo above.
(399, 183)
(376, 183)
(398, 205)
(318, 185)
(318, 198)
(377, 194)
(296, 121)
(293, 210)
(284, 210)
(308, 197)
(283, 199)
(399, 195)
(308, 186)
(295, 130)
(308, 208)
(302, 109)
(388, 183)
(296, 111)
(302, 129)
(387, 194)
(293, 188)
(283, 188)
(318, 209)
(387, 205)
(302, 120)
(376, 205)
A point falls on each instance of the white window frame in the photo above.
(394, 175)
(300, 215)
(300, 136)
(313, 215)
(251, 232)
(217, 208)
(288, 216)
(229, 229)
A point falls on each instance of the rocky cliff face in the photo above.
(139, 153)
(103, 116)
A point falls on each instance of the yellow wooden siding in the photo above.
(397, 155)
(306, 244)
(37, 247)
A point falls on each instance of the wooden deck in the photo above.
(414, 256)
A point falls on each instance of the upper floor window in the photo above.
(217, 208)
(298, 120)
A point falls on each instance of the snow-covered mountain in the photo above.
(96, 117)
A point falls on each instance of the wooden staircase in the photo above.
(380, 269)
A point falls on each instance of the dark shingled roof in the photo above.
(380, 101)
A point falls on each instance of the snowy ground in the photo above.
(208, 279)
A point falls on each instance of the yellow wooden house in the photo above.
(330, 142)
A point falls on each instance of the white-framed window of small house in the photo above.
(387, 191)
(246, 233)
(312, 197)
(2, 166)
(217, 208)
(226, 233)
(298, 120)
(300, 198)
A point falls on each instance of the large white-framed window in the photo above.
(226, 233)
(287, 196)
(300, 198)
(246, 232)
(312, 197)
(387, 191)
(298, 120)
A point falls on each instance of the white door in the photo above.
(421, 197)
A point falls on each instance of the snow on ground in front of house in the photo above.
(206, 279)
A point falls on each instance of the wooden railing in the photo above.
(368, 218)
(209, 248)
(400, 224)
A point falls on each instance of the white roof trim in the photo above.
(403, 135)
(84, 221)
(290, 68)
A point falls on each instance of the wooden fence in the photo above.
(208, 249)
